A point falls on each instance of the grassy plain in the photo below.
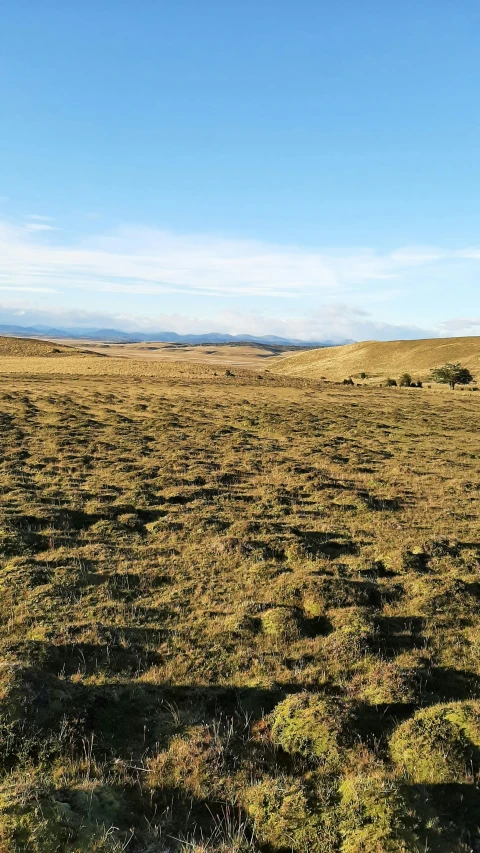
(236, 613)
(380, 360)
(237, 355)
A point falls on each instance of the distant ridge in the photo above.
(380, 359)
(119, 336)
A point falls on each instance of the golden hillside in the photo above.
(380, 359)
(28, 347)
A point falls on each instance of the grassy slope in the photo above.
(382, 359)
(180, 553)
(29, 347)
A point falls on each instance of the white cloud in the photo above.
(335, 322)
(21, 289)
(460, 324)
(39, 226)
(149, 261)
(326, 285)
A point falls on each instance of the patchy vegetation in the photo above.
(237, 615)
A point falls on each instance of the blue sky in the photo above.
(263, 166)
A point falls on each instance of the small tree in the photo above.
(452, 374)
(391, 383)
(405, 380)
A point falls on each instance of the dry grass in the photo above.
(242, 355)
(382, 359)
(23, 357)
(230, 609)
(28, 348)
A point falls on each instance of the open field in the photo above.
(380, 360)
(243, 355)
(236, 614)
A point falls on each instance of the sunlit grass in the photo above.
(180, 555)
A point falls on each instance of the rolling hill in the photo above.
(380, 359)
(11, 347)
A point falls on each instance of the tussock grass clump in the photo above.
(374, 816)
(193, 762)
(291, 813)
(31, 700)
(381, 682)
(443, 594)
(39, 817)
(349, 642)
(415, 559)
(439, 744)
(310, 725)
(282, 623)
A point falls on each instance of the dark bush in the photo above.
(452, 374)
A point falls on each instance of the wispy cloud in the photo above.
(39, 226)
(38, 222)
(460, 325)
(21, 289)
(130, 265)
(149, 261)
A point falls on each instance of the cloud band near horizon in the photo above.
(287, 290)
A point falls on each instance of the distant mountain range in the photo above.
(118, 336)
